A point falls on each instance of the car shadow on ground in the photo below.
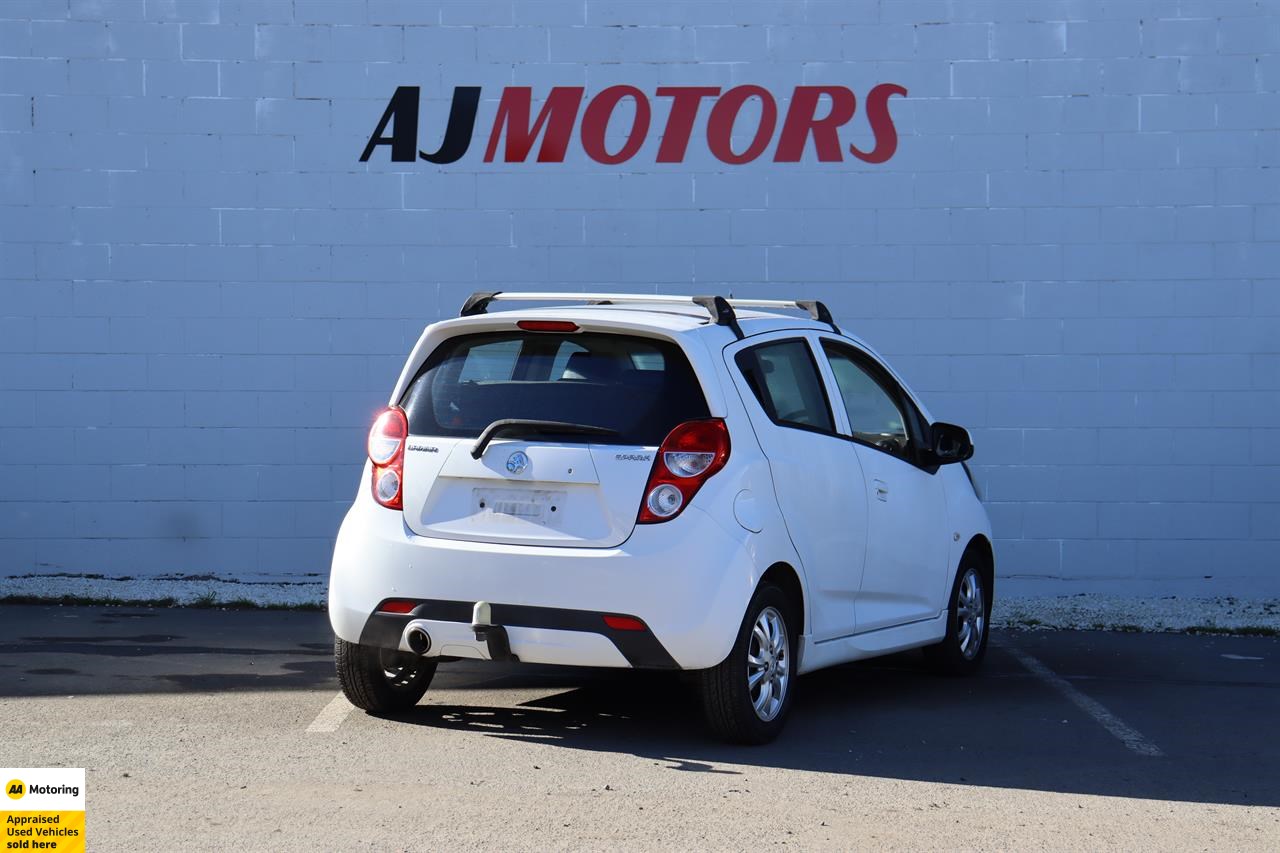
(891, 718)
(1208, 703)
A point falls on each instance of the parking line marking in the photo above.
(1121, 730)
(331, 715)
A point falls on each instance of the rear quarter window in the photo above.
(639, 387)
(785, 380)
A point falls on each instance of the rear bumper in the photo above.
(688, 580)
(527, 629)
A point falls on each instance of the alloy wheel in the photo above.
(768, 664)
(400, 669)
(971, 614)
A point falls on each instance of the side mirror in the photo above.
(950, 444)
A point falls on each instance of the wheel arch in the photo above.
(979, 551)
(784, 576)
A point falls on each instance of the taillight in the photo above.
(689, 456)
(386, 452)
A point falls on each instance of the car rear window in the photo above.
(639, 387)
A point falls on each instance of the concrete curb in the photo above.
(1084, 611)
(171, 589)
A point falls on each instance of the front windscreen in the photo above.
(638, 387)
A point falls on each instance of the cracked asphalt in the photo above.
(209, 730)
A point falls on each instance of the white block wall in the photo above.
(1075, 251)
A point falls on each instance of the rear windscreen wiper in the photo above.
(519, 426)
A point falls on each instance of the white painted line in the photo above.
(1122, 731)
(331, 715)
(1241, 657)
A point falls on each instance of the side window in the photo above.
(567, 350)
(785, 380)
(488, 362)
(642, 360)
(874, 415)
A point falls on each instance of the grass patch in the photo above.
(1242, 631)
(247, 604)
(88, 601)
(78, 575)
(208, 601)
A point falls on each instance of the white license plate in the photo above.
(536, 506)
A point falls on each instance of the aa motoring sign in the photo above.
(813, 112)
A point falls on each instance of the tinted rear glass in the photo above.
(639, 387)
(784, 378)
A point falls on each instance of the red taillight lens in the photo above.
(396, 605)
(689, 456)
(547, 326)
(387, 435)
(386, 451)
(624, 623)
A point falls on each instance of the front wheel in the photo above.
(965, 645)
(381, 680)
(746, 698)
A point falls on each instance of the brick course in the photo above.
(1075, 251)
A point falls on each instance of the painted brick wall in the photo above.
(1075, 251)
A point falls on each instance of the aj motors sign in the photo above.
(813, 112)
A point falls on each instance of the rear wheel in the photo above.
(381, 680)
(746, 698)
(962, 650)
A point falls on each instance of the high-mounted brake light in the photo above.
(547, 325)
(689, 456)
(386, 451)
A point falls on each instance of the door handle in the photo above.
(881, 489)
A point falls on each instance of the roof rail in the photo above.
(720, 309)
(815, 309)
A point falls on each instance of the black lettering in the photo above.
(457, 133)
(403, 108)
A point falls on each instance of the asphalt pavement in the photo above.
(208, 729)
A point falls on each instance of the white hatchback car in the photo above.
(658, 482)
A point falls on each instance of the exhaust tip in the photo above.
(419, 641)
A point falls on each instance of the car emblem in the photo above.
(517, 462)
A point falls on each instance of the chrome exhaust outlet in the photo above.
(419, 641)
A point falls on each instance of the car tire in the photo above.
(968, 624)
(381, 680)
(763, 658)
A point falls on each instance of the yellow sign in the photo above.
(48, 810)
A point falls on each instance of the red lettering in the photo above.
(554, 126)
(886, 135)
(595, 121)
(557, 116)
(725, 113)
(801, 121)
(685, 101)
